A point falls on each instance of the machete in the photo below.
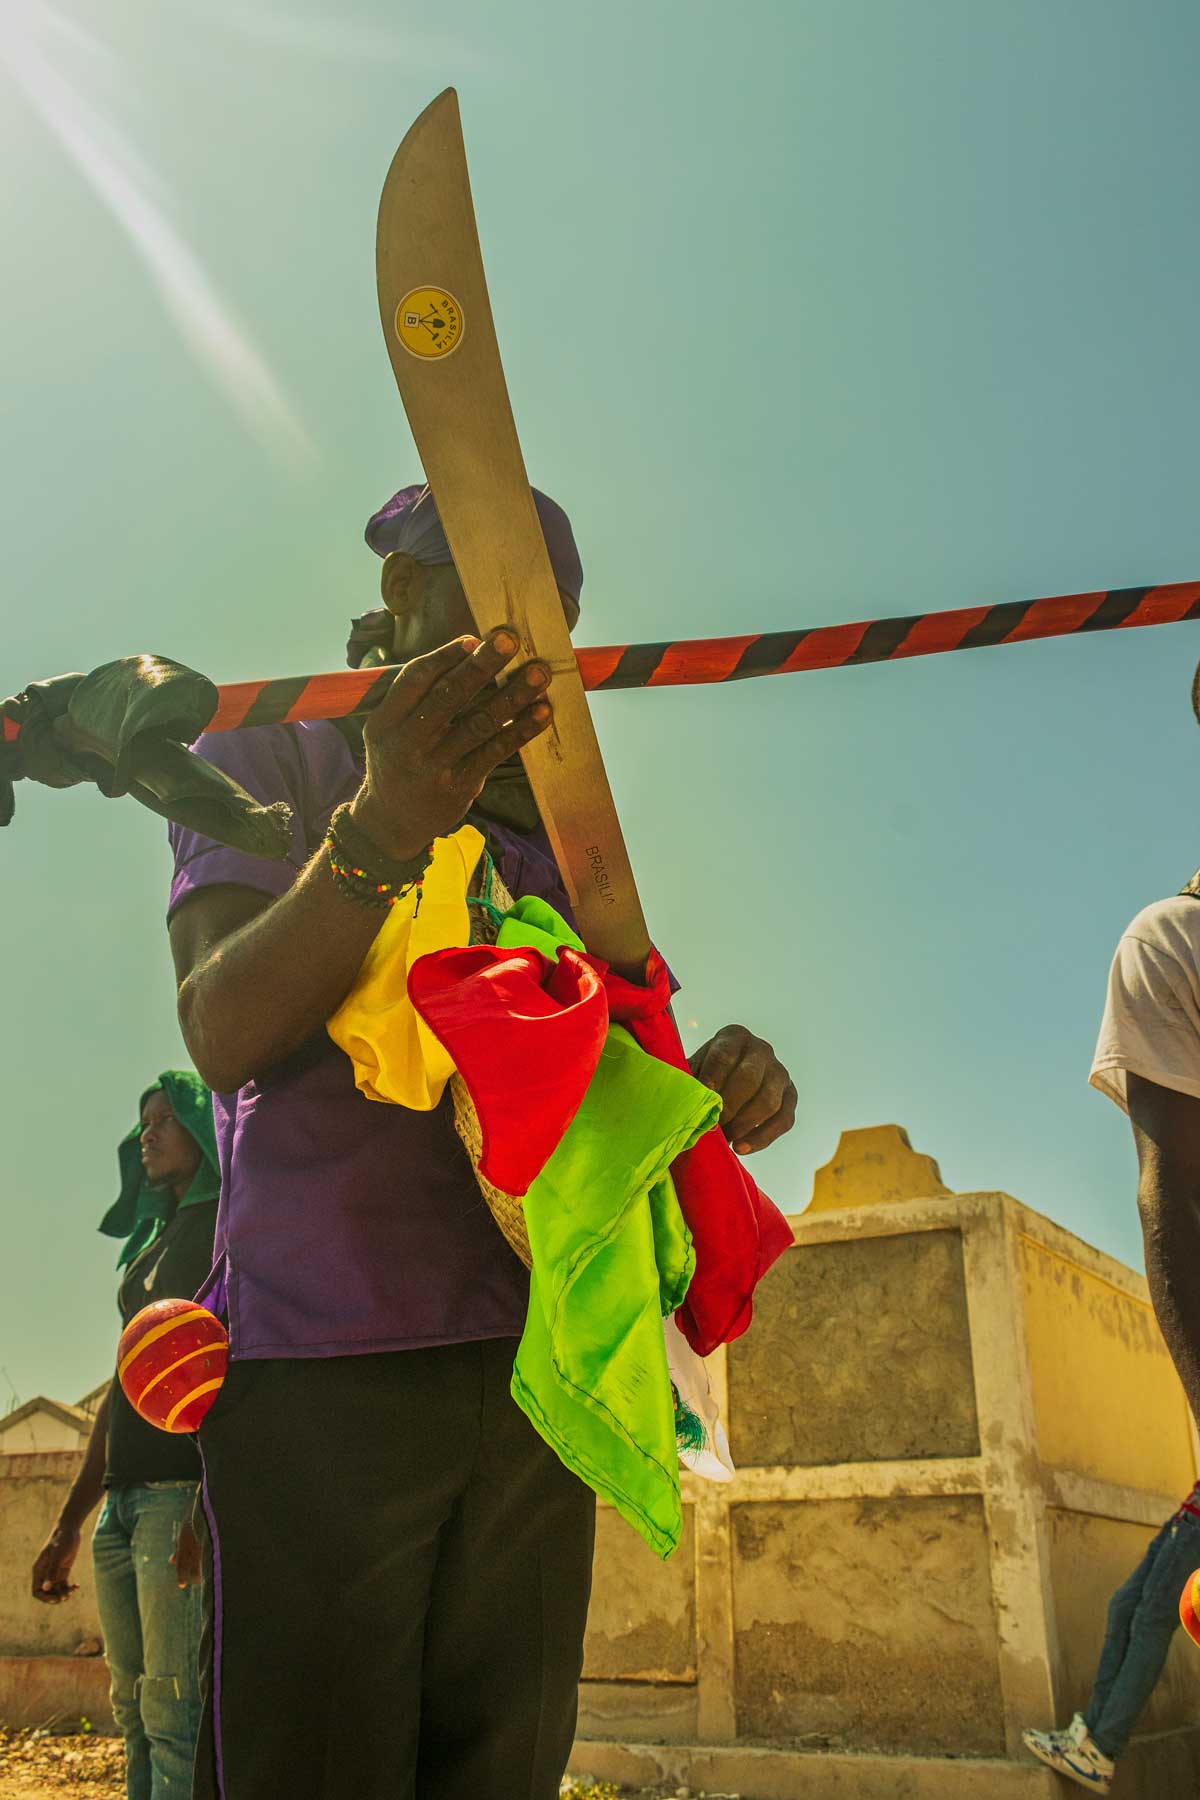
(437, 322)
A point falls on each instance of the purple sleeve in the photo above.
(266, 761)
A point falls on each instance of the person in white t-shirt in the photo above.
(1148, 1061)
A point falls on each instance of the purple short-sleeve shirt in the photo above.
(345, 1225)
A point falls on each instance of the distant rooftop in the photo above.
(77, 1416)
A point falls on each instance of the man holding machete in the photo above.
(427, 1638)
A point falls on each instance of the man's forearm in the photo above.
(1170, 1212)
(88, 1485)
(262, 989)
(257, 978)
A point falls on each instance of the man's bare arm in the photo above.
(1166, 1129)
(257, 977)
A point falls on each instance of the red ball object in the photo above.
(1189, 1607)
(171, 1363)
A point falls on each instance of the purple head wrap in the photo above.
(410, 522)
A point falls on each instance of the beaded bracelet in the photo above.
(360, 848)
(360, 869)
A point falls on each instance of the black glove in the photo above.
(125, 727)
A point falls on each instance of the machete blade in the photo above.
(437, 323)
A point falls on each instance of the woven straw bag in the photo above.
(509, 1214)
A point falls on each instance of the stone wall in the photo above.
(1106, 1403)
(32, 1489)
(41, 1677)
(858, 1625)
(860, 1352)
(956, 1427)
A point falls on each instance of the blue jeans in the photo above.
(151, 1635)
(1143, 1616)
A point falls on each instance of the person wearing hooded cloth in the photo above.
(401, 1564)
(144, 1551)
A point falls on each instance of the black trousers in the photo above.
(400, 1579)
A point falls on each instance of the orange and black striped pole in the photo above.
(699, 661)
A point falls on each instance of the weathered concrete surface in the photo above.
(866, 1624)
(860, 1352)
(753, 1774)
(1155, 1769)
(648, 1712)
(1089, 1559)
(642, 1622)
(32, 1488)
(887, 1572)
(874, 1167)
(1105, 1397)
(45, 1690)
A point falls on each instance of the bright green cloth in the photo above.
(611, 1257)
(534, 923)
(140, 1211)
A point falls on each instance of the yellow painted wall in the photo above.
(32, 1489)
(642, 1620)
(1106, 1399)
(39, 1434)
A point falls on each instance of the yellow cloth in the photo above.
(395, 1055)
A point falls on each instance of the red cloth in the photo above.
(525, 1034)
(738, 1233)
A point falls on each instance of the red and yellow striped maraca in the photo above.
(171, 1362)
(1189, 1607)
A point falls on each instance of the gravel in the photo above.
(37, 1763)
(41, 1765)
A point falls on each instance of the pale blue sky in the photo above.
(811, 311)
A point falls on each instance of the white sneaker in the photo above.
(1040, 1741)
(1074, 1754)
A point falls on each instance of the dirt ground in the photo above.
(37, 1765)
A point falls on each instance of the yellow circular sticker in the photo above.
(429, 322)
